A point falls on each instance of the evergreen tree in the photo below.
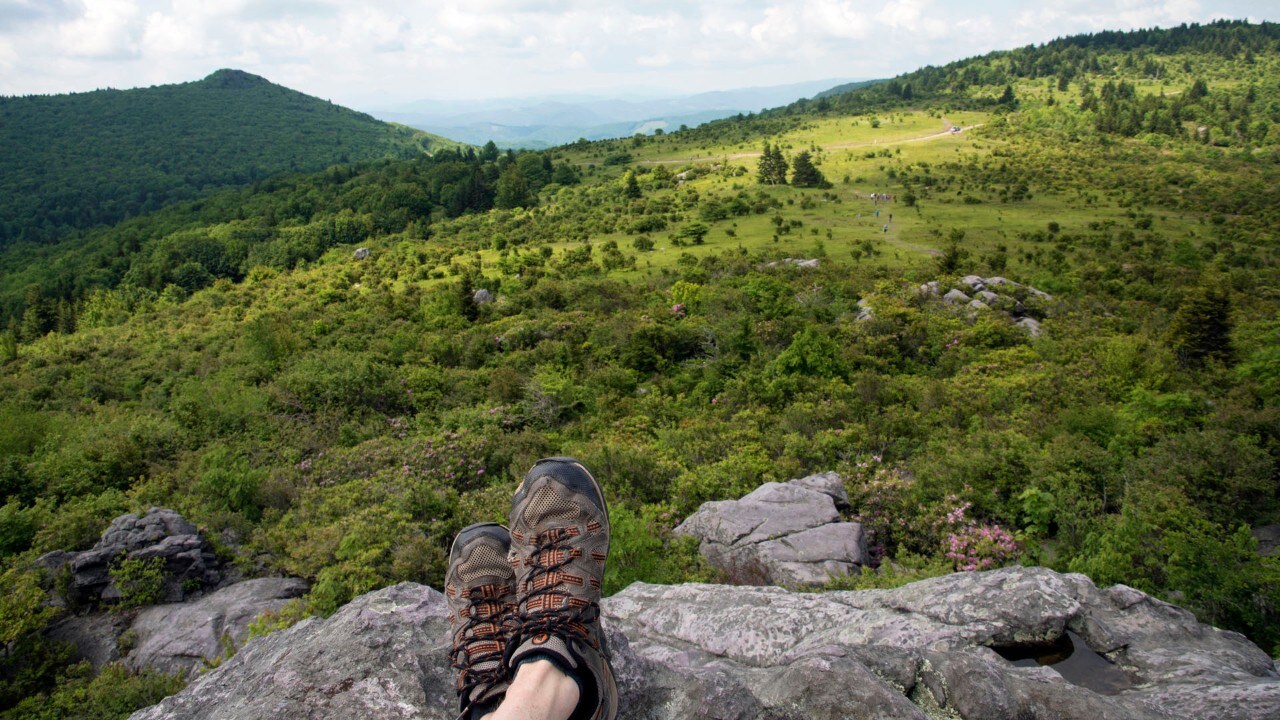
(630, 186)
(1201, 329)
(805, 174)
(772, 169)
(513, 190)
(1007, 98)
(663, 177)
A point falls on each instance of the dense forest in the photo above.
(339, 417)
(76, 161)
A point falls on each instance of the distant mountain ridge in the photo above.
(538, 122)
(85, 159)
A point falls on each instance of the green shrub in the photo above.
(1160, 543)
(905, 568)
(642, 549)
(340, 379)
(114, 694)
(78, 523)
(140, 581)
(18, 525)
(230, 480)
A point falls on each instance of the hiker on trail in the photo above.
(877, 212)
(524, 603)
(886, 228)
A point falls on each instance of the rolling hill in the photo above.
(86, 159)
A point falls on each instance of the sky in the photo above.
(377, 54)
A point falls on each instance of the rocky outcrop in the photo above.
(993, 293)
(807, 263)
(187, 636)
(786, 534)
(177, 636)
(383, 655)
(189, 562)
(925, 650)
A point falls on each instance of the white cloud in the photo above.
(836, 19)
(381, 51)
(105, 30)
(904, 14)
(659, 60)
(167, 35)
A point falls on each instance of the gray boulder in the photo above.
(707, 652)
(189, 562)
(361, 253)
(1268, 537)
(482, 297)
(808, 263)
(780, 533)
(955, 297)
(185, 636)
(1029, 325)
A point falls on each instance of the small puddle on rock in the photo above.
(1073, 659)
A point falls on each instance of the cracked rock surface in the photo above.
(786, 534)
(764, 653)
(184, 636)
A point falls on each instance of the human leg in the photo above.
(539, 691)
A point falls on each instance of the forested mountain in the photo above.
(75, 161)
(693, 314)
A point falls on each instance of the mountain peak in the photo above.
(236, 79)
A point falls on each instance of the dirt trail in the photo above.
(947, 132)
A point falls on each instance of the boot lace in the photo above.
(482, 638)
(550, 608)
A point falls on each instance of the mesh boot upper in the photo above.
(480, 590)
(559, 544)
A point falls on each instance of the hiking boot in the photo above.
(559, 543)
(480, 590)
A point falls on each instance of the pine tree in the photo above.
(630, 186)
(772, 169)
(1201, 329)
(805, 174)
(513, 190)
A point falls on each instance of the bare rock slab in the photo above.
(781, 533)
(185, 636)
(706, 652)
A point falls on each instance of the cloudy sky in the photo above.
(378, 53)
